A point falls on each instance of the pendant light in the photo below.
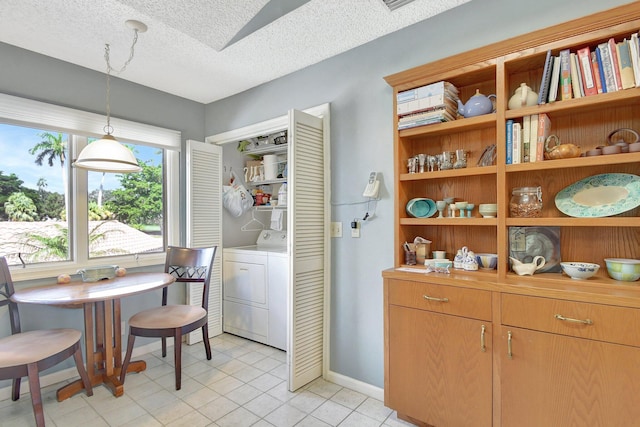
(107, 154)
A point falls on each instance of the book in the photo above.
(546, 78)
(565, 74)
(579, 75)
(607, 68)
(613, 53)
(517, 143)
(509, 138)
(555, 78)
(426, 91)
(422, 122)
(596, 72)
(627, 79)
(526, 138)
(588, 81)
(634, 52)
(603, 77)
(533, 139)
(425, 118)
(439, 111)
(575, 79)
(544, 130)
(425, 104)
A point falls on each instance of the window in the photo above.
(57, 219)
(34, 195)
(126, 211)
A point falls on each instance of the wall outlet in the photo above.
(336, 229)
(355, 229)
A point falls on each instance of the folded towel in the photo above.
(276, 219)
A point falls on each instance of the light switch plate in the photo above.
(336, 229)
(355, 231)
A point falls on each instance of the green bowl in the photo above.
(421, 207)
(623, 269)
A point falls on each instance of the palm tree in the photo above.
(42, 248)
(53, 148)
(101, 189)
(19, 207)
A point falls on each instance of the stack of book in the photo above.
(526, 140)
(609, 67)
(433, 103)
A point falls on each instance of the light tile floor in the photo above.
(244, 384)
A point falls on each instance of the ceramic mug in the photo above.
(439, 254)
(611, 149)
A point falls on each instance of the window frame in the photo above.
(81, 125)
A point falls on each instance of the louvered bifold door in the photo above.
(307, 247)
(204, 225)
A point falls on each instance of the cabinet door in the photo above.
(307, 220)
(438, 372)
(555, 380)
(204, 225)
(308, 213)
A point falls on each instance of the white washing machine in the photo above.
(254, 289)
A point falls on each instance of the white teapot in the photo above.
(523, 97)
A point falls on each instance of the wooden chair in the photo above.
(187, 265)
(25, 354)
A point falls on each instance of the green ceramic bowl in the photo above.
(421, 207)
(626, 270)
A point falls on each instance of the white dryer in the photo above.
(254, 289)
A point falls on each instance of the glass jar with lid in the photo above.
(526, 202)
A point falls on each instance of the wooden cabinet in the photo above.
(439, 354)
(500, 69)
(577, 370)
(548, 365)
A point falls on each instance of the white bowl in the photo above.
(488, 210)
(440, 263)
(487, 261)
(461, 205)
(626, 270)
(579, 270)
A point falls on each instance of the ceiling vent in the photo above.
(396, 4)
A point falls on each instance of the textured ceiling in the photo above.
(204, 50)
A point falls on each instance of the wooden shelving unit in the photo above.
(494, 333)
(585, 122)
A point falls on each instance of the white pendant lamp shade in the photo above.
(107, 155)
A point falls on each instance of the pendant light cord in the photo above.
(108, 129)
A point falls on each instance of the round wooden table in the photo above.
(103, 335)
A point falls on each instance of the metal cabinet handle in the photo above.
(483, 347)
(428, 298)
(509, 352)
(569, 319)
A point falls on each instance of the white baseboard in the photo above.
(72, 373)
(355, 385)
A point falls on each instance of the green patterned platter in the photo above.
(600, 195)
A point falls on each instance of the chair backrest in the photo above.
(6, 290)
(191, 265)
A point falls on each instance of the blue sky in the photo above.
(15, 143)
